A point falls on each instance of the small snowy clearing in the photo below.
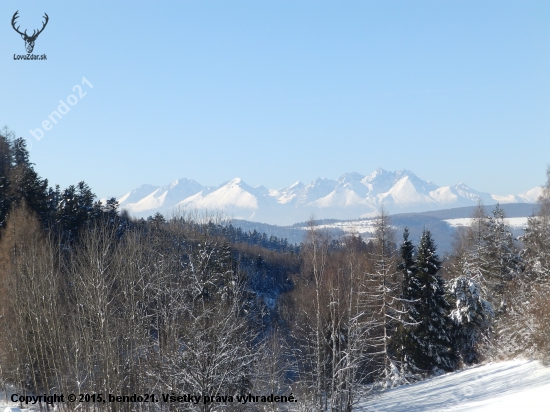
(355, 226)
(504, 386)
(515, 222)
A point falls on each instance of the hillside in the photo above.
(505, 386)
(442, 224)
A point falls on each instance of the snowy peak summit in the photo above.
(351, 196)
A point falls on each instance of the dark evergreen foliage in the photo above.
(430, 341)
(63, 212)
(237, 235)
(402, 339)
(472, 316)
(18, 180)
(407, 266)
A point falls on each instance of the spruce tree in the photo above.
(536, 239)
(76, 208)
(472, 316)
(5, 166)
(34, 190)
(523, 327)
(19, 181)
(430, 339)
(500, 258)
(404, 345)
(407, 266)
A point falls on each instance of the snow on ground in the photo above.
(515, 222)
(512, 386)
(363, 227)
(500, 387)
(5, 405)
(355, 226)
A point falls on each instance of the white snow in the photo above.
(500, 387)
(288, 194)
(511, 386)
(340, 197)
(235, 193)
(360, 227)
(531, 195)
(515, 222)
(351, 196)
(444, 195)
(505, 199)
(404, 191)
(152, 201)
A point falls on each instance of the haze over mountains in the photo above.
(350, 197)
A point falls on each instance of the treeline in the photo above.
(61, 211)
(368, 314)
(93, 301)
(253, 237)
(90, 296)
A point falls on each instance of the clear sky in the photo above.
(275, 91)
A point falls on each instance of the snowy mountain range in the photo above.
(351, 196)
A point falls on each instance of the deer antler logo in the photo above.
(29, 40)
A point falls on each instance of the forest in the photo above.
(94, 301)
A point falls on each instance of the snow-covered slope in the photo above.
(147, 198)
(500, 387)
(234, 197)
(349, 197)
(530, 195)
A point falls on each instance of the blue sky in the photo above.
(279, 91)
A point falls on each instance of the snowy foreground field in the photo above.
(505, 386)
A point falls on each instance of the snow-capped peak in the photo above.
(350, 196)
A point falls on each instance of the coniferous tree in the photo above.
(430, 339)
(536, 239)
(485, 259)
(76, 208)
(35, 192)
(524, 327)
(410, 287)
(19, 181)
(5, 166)
(472, 316)
(407, 266)
(500, 258)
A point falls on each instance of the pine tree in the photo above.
(5, 166)
(500, 258)
(35, 192)
(524, 327)
(472, 316)
(490, 253)
(431, 339)
(407, 266)
(19, 181)
(403, 344)
(536, 239)
(76, 208)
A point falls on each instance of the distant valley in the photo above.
(442, 223)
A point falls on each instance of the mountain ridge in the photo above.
(351, 196)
